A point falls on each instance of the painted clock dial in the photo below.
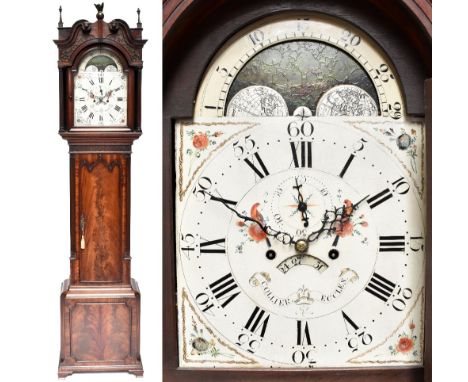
(100, 92)
(271, 186)
(300, 205)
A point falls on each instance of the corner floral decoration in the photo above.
(200, 345)
(201, 140)
(406, 342)
(404, 141)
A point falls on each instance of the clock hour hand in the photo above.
(283, 237)
(301, 205)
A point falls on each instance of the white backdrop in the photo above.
(34, 189)
(34, 210)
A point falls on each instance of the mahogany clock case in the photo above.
(100, 302)
(193, 33)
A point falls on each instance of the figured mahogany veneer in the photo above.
(100, 302)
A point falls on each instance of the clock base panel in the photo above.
(100, 329)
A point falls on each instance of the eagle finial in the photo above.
(99, 8)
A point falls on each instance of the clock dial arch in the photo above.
(305, 28)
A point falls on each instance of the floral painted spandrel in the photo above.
(196, 143)
(407, 340)
(404, 346)
(405, 140)
(201, 346)
(200, 141)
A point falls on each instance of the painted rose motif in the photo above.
(345, 226)
(405, 345)
(406, 342)
(200, 141)
(252, 231)
(255, 232)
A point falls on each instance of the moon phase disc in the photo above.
(257, 101)
(346, 100)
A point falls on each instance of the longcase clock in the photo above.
(100, 67)
(297, 231)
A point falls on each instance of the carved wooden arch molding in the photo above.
(422, 10)
(194, 30)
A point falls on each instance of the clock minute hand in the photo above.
(283, 237)
(331, 217)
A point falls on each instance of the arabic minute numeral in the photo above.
(241, 148)
(383, 289)
(416, 243)
(392, 110)
(256, 36)
(202, 192)
(399, 304)
(300, 356)
(350, 38)
(223, 72)
(401, 186)
(203, 300)
(305, 129)
(246, 343)
(383, 73)
(189, 240)
(358, 336)
(359, 145)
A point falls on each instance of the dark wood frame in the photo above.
(194, 30)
